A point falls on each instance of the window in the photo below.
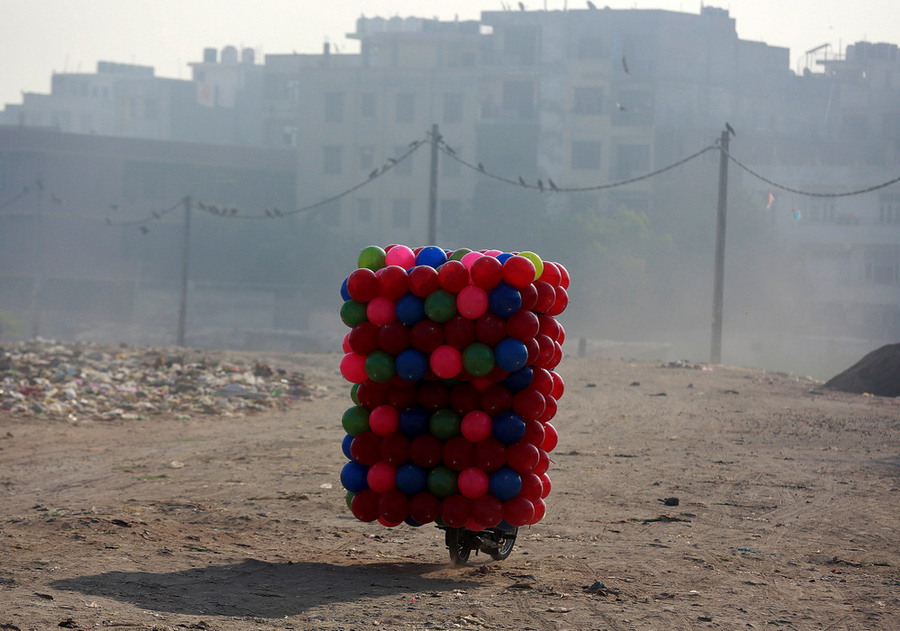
(366, 157)
(882, 265)
(632, 160)
(453, 107)
(367, 105)
(334, 107)
(364, 210)
(889, 208)
(588, 101)
(406, 166)
(406, 108)
(521, 44)
(331, 159)
(401, 214)
(518, 99)
(586, 154)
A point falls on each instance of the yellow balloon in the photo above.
(538, 263)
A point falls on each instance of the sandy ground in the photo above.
(787, 516)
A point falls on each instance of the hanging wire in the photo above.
(551, 186)
(155, 215)
(12, 200)
(810, 193)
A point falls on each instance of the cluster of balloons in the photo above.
(451, 355)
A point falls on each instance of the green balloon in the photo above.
(372, 257)
(444, 423)
(353, 393)
(380, 366)
(355, 420)
(442, 481)
(478, 359)
(353, 313)
(458, 254)
(440, 306)
(349, 498)
(538, 263)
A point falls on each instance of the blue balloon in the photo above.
(511, 354)
(414, 421)
(520, 379)
(505, 484)
(345, 293)
(353, 477)
(503, 256)
(411, 479)
(409, 309)
(504, 300)
(508, 428)
(431, 255)
(411, 364)
(345, 446)
(409, 521)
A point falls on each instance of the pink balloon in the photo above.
(476, 426)
(384, 420)
(494, 253)
(353, 367)
(472, 482)
(401, 255)
(381, 311)
(381, 477)
(446, 361)
(470, 258)
(472, 302)
(345, 345)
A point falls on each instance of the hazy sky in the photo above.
(39, 37)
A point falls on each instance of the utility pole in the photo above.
(185, 272)
(40, 255)
(432, 187)
(715, 353)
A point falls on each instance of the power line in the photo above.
(551, 186)
(861, 191)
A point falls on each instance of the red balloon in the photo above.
(389, 524)
(551, 274)
(486, 272)
(381, 310)
(384, 420)
(551, 438)
(364, 505)
(518, 511)
(392, 337)
(549, 326)
(543, 462)
(353, 367)
(522, 457)
(426, 335)
(542, 380)
(545, 350)
(381, 477)
(473, 482)
(564, 276)
(433, 395)
(546, 296)
(453, 276)
(534, 433)
(529, 297)
(458, 453)
(363, 338)
(393, 506)
(476, 426)
(362, 284)
(394, 449)
(393, 282)
(559, 387)
(464, 398)
(446, 361)
(560, 303)
(549, 410)
(529, 404)
(455, 511)
(459, 331)
(540, 509)
(472, 302)
(371, 394)
(545, 484)
(424, 507)
(400, 396)
(495, 399)
(345, 344)
(533, 349)
(423, 280)
(490, 454)
(518, 271)
(425, 451)
(532, 487)
(487, 510)
(366, 448)
(556, 357)
(561, 338)
(490, 329)
(523, 325)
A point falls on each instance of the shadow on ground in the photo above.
(257, 588)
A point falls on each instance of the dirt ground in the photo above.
(787, 516)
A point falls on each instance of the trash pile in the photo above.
(877, 373)
(90, 381)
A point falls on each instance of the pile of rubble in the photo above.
(91, 381)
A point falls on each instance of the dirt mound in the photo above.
(877, 373)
